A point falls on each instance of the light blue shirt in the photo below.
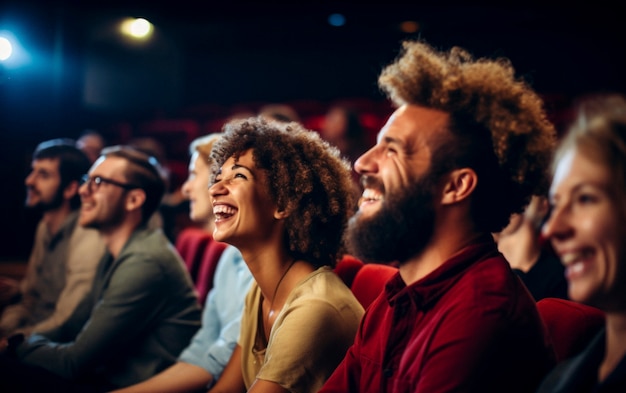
(214, 343)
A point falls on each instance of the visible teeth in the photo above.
(577, 267)
(570, 258)
(567, 259)
(371, 195)
(223, 209)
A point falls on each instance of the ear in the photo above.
(71, 190)
(459, 186)
(281, 214)
(135, 199)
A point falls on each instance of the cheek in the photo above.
(603, 229)
(598, 226)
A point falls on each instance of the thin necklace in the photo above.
(271, 311)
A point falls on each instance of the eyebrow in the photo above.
(239, 166)
(581, 185)
(388, 140)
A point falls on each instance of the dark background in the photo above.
(209, 57)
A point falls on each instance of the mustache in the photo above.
(372, 182)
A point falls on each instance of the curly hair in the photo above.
(499, 124)
(306, 177)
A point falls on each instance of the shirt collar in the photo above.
(430, 288)
(66, 229)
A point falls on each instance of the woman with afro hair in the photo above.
(283, 197)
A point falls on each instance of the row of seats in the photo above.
(570, 325)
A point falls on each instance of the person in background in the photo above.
(279, 112)
(142, 309)
(204, 359)
(530, 257)
(466, 147)
(91, 142)
(342, 128)
(65, 255)
(281, 195)
(586, 229)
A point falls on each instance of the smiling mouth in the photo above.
(575, 262)
(223, 212)
(370, 196)
(575, 257)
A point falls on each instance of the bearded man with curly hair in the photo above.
(467, 146)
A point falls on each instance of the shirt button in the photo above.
(387, 372)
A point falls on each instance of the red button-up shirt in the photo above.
(469, 326)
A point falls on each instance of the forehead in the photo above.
(197, 161)
(109, 166)
(576, 168)
(245, 158)
(50, 165)
(412, 124)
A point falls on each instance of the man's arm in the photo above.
(14, 315)
(85, 251)
(181, 377)
(212, 346)
(127, 306)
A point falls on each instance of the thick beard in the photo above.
(400, 230)
(56, 201)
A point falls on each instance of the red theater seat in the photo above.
(347, 268)
(370, 281)
(571, 325)
(190, 244)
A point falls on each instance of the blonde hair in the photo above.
(203, 145)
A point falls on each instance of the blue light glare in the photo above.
(19, 57)
(336, 20)
(6, 48)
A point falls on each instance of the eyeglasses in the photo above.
(94, 183)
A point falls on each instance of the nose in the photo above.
(366, 163)
(30, 179)
(217, 188)
(557, 226)
(83, 189)
(186, 188)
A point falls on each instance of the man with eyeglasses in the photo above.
(64, 256)
(142, 310)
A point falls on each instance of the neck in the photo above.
(116, 238)
(267, 266)
(55, 218)
(615, 346)
(446, 242)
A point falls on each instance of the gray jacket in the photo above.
(141, 312)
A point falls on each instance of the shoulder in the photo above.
(323, 293)
(150, 244)
(492, 275)
(489, 287)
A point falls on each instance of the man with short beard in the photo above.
(466, 147)
(64, 256)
